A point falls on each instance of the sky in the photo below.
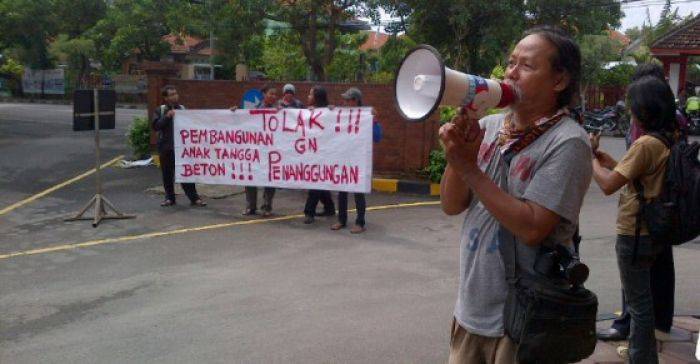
(635, 13)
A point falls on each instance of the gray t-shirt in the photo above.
(553, 172)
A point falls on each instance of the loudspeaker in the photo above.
(423, 83)
(84, 109)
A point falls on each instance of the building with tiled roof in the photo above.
(375, 41)
(190, 54)
(674, 48)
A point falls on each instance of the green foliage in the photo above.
(596, 50)
(436, 166)
(136, 27)
(237, 26)
(380, 77)
(347, 62)
(12, 68)
(617, 76)
(498, 72)
(317, 23)
(26, 26)
(282, 58)
(447, 113)
(393, 51)
(475, 35)
(139, 136)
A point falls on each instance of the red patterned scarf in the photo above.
(512, 141)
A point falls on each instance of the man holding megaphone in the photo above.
(521, 178)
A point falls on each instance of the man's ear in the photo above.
(563, 80)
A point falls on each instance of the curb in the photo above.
(405, 186)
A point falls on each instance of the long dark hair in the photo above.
(567, 59)
(652, 103)
(320, 96)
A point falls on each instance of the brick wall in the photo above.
(404, 149)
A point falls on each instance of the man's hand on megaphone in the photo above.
(462, 139)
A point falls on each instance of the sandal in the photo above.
(167, 203)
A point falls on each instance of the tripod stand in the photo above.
(99, 201)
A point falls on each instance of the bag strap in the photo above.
(511, 268)
(638, 219)
(663, 138)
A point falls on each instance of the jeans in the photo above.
(312, 202)
(635, 274)
(251, 198)
(663, 284)
(360, 205)
(167, 167)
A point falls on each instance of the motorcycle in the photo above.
(611, 120)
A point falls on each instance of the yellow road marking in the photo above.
(56, 187)
(121, 239)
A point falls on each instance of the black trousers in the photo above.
(312, 201)
(251, 198)
(167, 166)
(663, 283)
(360, 205)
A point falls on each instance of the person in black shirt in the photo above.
(163, 124)
(318, 97)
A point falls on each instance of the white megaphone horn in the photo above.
(423, 83)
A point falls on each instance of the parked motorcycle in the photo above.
(611, 120)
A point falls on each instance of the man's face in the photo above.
(530, 70)
(270, 96)
(172, 97)
(288, 97)
(350, 103)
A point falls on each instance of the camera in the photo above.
(560, 263)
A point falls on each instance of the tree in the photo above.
(75, 17)
(668, 19)
(282, 58)
(237, 27)
(596, 50)
(76, 52)
(316, 24)
(136, 27)
(578, 17)
(474, 35)
(349, 63)
(26, 27)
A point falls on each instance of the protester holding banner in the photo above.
(521, 178)
(289, 101)
(318, 97)
(163, 124)
(353, 98)
(269, 101)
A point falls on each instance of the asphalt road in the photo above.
(214, 287)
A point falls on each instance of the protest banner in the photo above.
(288, 148)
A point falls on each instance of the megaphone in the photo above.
(423, 83)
